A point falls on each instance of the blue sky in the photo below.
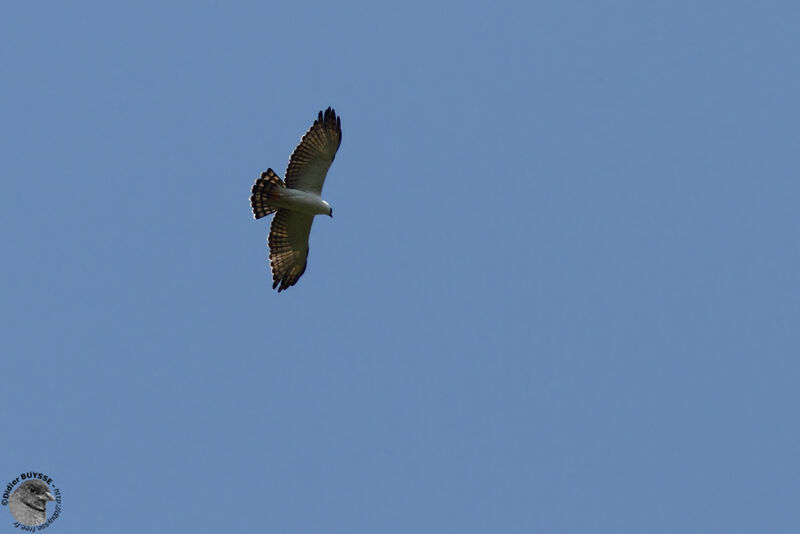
(560, 292)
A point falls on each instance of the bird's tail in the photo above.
(266, 191)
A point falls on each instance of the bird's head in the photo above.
(35, 494)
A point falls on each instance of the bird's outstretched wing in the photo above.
(310, 161)
(288, 247)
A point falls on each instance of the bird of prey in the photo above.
(28, 504)
(297, 200)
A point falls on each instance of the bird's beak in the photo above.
(330, 214)
(49, 496)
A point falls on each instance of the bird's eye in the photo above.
(32, 489)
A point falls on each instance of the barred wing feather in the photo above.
(288, 247)
(312, 158)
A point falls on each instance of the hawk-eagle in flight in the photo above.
(297, 200)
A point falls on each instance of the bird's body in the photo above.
(296, 201)
(302, 201)
(28, 504)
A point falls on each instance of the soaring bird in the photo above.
(29, 503)
(297, 200)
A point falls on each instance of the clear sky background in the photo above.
(560, 292)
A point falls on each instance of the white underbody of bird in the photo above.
(302, 201)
